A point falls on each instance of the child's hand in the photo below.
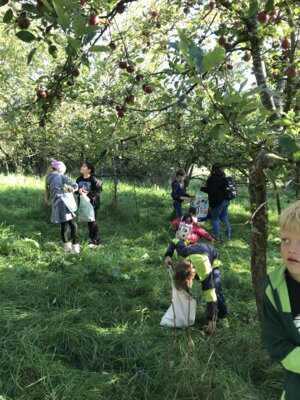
(71, 190)
(168, 261)
(210, 327)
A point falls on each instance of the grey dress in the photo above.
(55, 181)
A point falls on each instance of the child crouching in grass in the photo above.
(281, 304)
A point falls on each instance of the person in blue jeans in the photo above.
(178, 192)
(216, 189)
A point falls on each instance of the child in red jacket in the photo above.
(197, 230)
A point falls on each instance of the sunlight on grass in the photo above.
(87, 327)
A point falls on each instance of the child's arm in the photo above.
(279, 345)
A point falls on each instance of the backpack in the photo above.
(184, 230)
(231, 190)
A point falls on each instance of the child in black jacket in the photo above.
(90, 186)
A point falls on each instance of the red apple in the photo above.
(229, 66)
(76, 72)
(130, 98)
(112, 45)
(212, 5)
(247, 57)
(292, 72)
(153, 14)
(41, 93)
(158, 24)
(42, 123)
(45, 106)
(178, 126)
(121, 114)
(285, 43)
(228, 46)
(122, 64)
(222, 41)
(263, 17)
(139, 77)
(130, 69)
(94, 20)
(186, 10)
(147, 88)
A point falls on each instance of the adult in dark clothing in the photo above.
(216, 189)
(90, 186)
(178, 192)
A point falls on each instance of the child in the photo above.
(200, 261)
(89, 185)
(178, 192)
(281, 305)
(197, 230)
(55, 181)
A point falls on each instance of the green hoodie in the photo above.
(280, 333)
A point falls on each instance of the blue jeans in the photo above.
(220, 213)
(178, 208)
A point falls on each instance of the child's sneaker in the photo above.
(67, 247)
(223, 323)
(75, 249)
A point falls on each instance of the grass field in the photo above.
(87, 327)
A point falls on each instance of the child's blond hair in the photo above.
(289, 219)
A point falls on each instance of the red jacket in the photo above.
(197, 231)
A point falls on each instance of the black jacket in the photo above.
(93, 186)
(178, 190)
(215, 188)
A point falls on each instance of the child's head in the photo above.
(290, 239)
(289, 219)
(180, 174)
(184, 273)
(191, 216)
(58, 166)
(87, 168)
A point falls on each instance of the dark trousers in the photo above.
(94, 231)
(222, 307)
(64, 231)
(178, 208)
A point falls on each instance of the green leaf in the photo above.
(85, 61)
(288, 144)
(79, 25)
(74, 42)
(194, 80)
(3, 2)
(270, 175)
(97, 48)
(8, 16)
(269, 5)
(296, 156)
(284, 121)
(30, 55)
(214, 58)
(184, 45)
(62, 15)
(89, 37)
(139, 60)
(47, 5)
(53, 50)
(216, 132)
(25, 36)
(197, 54)
(253, 9)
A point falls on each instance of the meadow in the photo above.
(87, 327)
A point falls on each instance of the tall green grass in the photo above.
(87, 327)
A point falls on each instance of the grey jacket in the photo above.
(56, 182)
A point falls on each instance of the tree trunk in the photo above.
(258, 204)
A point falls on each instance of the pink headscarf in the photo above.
(59, 166)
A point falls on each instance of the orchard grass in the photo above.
(87, 327)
